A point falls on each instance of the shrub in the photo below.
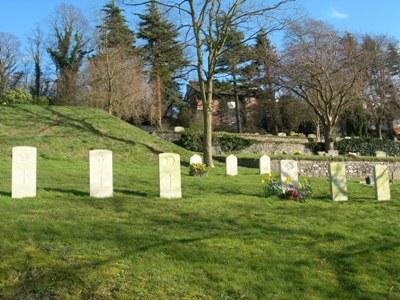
(229, 143)
(42, 100)
(194, 142)
(368, 146)
(198, 169)
(17, 96)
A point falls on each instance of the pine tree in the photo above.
(231, 63)
(162, 53)
(115, 32)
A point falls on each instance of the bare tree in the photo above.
(382, 100)
(69, 46)
(117, 83)
(9, 55)
(36, 51)
(209, 22)
(324, 68)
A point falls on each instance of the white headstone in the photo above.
(23, 172)
(195, 159)
(101, 173)
(169, 175)
(179, 129)
(288, 168)
(231, 167)
(380, 154)
(281, 134)
(337, 181)
(382, 186)
(265, 164)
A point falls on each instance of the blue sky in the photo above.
(358, 16)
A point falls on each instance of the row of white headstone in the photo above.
(169, 174)
(337, 176)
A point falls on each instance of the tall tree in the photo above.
(69, 46)
(36, 51)
(162, 52)
(264, 57)
(9, 55)
(382, 100)
(231, 63)
(209, 22)
(114, 29)
(325, 69)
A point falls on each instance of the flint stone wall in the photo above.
(319, 168)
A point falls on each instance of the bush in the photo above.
(42, 100)
(194, 142)
(198, 169)
(17, 96)
(368, 146)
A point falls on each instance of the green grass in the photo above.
(222, 240)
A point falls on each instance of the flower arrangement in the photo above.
(291, 190)
(198, 169)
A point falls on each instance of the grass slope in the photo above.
(222, 240)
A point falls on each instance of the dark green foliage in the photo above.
(367, 147)
(162, 53)
(315, 147)
(114, 25)
(227, 142)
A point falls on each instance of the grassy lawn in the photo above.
(222, 240)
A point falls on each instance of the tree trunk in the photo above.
(37, 80)
(207, 140)
(238, 120)
(329, 145)
(378, 130)
(158, 101)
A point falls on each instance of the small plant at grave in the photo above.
(272, 186)
(297, 153)
(198, 169)
(297, 191)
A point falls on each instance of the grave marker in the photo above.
(231, 167)
(195, 159)
(23, 172)
(101, 173)
(382, 187)
(380, 154)
(337, 179)
(169, 175)
(265, 164)
(288, 168)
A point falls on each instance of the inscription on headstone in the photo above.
(101, 173)
(23, 172)
(382, 186)
(265, 164)
(169, 175)
(288, 168)
(231, 167)
(337, 180)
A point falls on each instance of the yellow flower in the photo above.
(262, 181)
(268, 177)
(299, 185)
(288, 180)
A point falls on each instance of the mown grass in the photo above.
(222, 240)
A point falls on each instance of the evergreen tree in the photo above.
(114, 31)
(162, 53)
(259, 73)
(231, 63)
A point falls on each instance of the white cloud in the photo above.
(337, 14)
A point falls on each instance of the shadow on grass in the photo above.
(67, 191)
(5, 194)
(131, 193)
